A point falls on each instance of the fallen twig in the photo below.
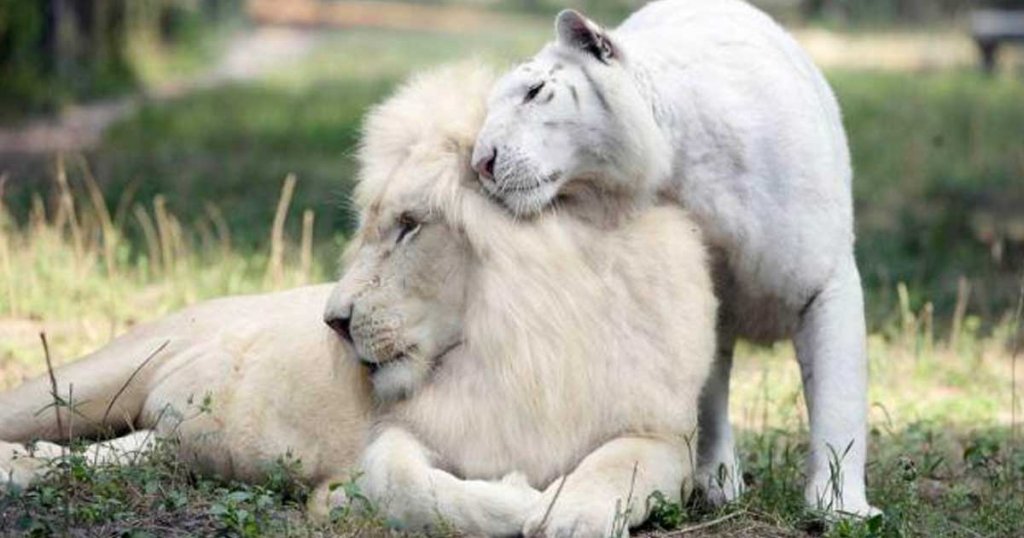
(702, 526)
(551, 506)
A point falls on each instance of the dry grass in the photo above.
(73, 274)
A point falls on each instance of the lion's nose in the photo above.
(485, 164)
(341, 323)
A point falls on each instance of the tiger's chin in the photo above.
(589, 200)
(527, 200)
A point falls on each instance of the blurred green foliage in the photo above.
(938, 168)
(859, 12)
(55, 51)
(232, 146)
(841, 12)
(938, 161)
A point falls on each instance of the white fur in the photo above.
(579, 346)
(713, 105)
(580, 352)
(239, 382)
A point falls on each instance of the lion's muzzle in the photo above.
(340, 323)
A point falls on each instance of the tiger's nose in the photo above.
(341, 323)
(484, 165)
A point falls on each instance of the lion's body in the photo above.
(239, 381)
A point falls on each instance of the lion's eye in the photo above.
(407, 226)
(533, 91)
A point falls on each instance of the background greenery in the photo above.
(53, 52)
(175, 205)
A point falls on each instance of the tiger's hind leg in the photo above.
(831, 349)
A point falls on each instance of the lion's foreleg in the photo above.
(21, 467)
(399, 477)
(611, 489)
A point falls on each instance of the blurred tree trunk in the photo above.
(63, 37)
(55, 50)
(812, 9)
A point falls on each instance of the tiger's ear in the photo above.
(574, 30)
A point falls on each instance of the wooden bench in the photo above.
(993, 27)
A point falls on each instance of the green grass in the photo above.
(161, 496)
(939, 161)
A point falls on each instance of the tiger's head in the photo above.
(571, 119)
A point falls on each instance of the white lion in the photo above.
(546, 348)
(712, 105)
(549, 347)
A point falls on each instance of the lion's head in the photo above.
(574, 112)
(401, 299)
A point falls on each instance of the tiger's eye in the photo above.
(533, 91)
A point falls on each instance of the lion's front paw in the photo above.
(18, 469)
(577, 515)
(520, 486)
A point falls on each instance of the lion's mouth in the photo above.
(375, 367)
(403, 358)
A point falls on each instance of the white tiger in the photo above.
(713, 105)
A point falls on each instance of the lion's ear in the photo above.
(574, 30)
